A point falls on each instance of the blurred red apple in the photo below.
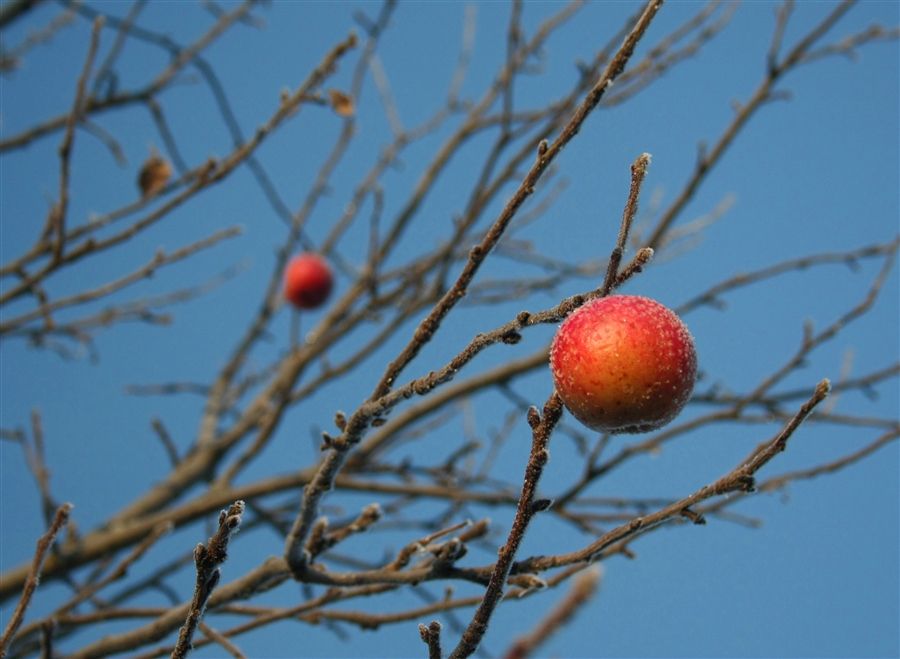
(623, 364)
(307, 281)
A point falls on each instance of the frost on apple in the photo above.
(624, 364)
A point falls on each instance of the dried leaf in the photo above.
(154, 175)
(341, 103)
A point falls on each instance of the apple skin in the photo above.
(624, 364)
(307, 281)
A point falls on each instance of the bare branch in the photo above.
(365, 415)
(542, 427)
(43, 546)
(582, 590)
(208, 558)
(431, 636)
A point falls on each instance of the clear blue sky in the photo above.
(818, 172)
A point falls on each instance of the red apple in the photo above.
(307, 281)
(623, 364)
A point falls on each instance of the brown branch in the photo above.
(546, 154)
(62, 616)
(812, 340)
(313, 612)
(159, 260)
(37, 464)
(121, 569)
(217, 637)
(208, 558)
(711, 296)
(739, 479)
(638, 172)
(10, 58)
(379, 298)
(15, 9)
(181, 57)
(364, 416)
(321, 539)
(56, 220)
(382, 439)
(707, 160)
(141, 309)
(863, 383)
(198, 463)
(206, 175)
(665, 55)
(274, 570)
(829, 467)
(166, 440)
(272, 297)
(264, 577)
(47, 631)
(505, 333)
(542, 427)
(43, 546)
(431, 636)
(848, 45)
(582, 590)
(104, 71)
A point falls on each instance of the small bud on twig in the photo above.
(534, 417)
(340, 420)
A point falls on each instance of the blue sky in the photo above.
(815, 173)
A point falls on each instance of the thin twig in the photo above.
(216, 636)
(778, 482)
(159, 260)
(34, 576)
(850, 258)
(739, 479)
(582, 590)
(638, 172)
(364, 416)
(57, 216)
(180, 58)
(431, 636)
(542, 427)
(707, 159)
(208, 558)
